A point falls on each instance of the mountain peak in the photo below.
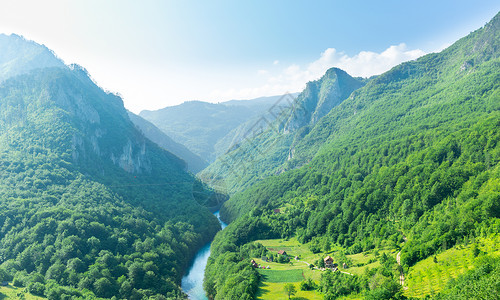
(334, 71)
(321, 96)
(19, 56)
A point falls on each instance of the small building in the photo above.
(276, 210)
(344, 265)
(254, 264)
(282, 252)
(328, 262)
(297, 258)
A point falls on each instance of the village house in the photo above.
(329, 263)
(282, 252)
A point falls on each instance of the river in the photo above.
(192, 283)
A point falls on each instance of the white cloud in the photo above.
(293, 78)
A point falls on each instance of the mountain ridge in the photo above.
(270, 142)
(90, 207)
(207, 129)
(34, 56)
(194, 162)
(410, 162)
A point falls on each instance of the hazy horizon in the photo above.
(161, 53)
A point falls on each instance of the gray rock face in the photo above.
(319, 97)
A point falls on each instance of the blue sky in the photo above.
(160, 53)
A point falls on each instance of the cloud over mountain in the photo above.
(293, 77)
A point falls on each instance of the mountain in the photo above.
(193, 161)
(19, 56)
(320, 97)
(262, 146)
(263, 102)
(89, 206)
(200, 126)
(407, 166)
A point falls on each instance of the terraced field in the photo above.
(429, 277)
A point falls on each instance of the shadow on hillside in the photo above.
(263, 277)
(262, 289)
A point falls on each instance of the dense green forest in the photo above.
(89, 208)
(412, 155)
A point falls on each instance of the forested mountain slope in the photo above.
(193, 161)
(414, 153)
(88, 206)
(201, 126)
(269, 142)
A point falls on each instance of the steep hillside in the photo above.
(200, 126)
(414, 155)
(193, 161)
(89, 206)
(269, 141)
(19, 56)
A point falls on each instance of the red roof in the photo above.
(328, 258)
(282, 252)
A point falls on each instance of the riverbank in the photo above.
(192, 282)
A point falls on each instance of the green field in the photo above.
(294, 275)
(12, 292)
(428, 277)
(275, 278)
(425, 278)
(275, 291)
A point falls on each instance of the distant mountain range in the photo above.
(208, 129)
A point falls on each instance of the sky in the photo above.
(158, 53)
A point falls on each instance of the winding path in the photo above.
(398, 259)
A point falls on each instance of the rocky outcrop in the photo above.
(319, 97)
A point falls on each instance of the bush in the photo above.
(307, 285)
(36, 288)
(18, 281)
(314, 248)
(283, 259)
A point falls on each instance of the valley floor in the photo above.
(275, 278)
(427, 277)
